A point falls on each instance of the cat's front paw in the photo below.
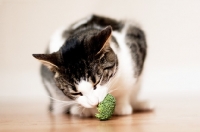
(82, 112)
(123, 109)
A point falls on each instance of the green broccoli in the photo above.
(106, 108)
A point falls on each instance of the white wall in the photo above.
(172, 28)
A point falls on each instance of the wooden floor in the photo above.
(172, 114)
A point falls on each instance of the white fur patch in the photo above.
(85, 87)
(125, 68)
(57, 40)
(90, 97)
(123, 84)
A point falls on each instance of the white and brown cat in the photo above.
(91, 58)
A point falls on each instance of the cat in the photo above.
(92, 57)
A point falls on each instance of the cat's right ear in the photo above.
(49, 60)
(101, 39)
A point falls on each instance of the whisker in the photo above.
(61, 106)
(58, 106)
(61, 101)
(49, 83)
(88, 99)
(112, 90)
(79, 107)
(111, 83)
(67, 103)
(82, 110)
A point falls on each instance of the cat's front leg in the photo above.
(123, 107)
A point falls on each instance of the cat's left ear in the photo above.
(101, 39)
(49, 60)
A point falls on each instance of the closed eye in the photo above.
(95, 85)
(97, 82)
(79, 93)
(109, 67)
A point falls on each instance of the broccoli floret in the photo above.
(106, 108)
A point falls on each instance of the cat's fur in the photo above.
(92, 57)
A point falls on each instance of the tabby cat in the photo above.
(91, 58)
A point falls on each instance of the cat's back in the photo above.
(91, 21)
(131, 47)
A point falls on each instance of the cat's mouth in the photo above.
(93, 100)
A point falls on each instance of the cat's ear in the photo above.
(49, 60)
(101, 39)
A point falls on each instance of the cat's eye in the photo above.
(102, 60)
(79, 93)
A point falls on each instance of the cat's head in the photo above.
(83, 66)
